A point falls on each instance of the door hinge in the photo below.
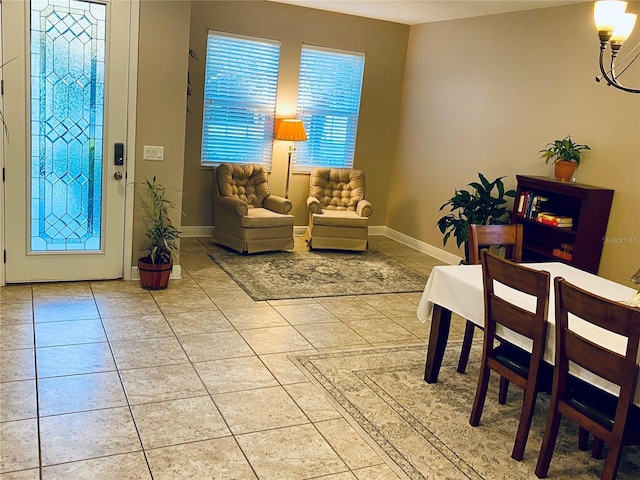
(2, 174)
(4, 256)
(1, 87)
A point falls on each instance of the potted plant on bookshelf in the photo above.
(155, 267)
(566, 155)
(484, 204)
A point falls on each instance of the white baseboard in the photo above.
(449, 258)
(176, 273)
(423, 247)
(207, 231)
(196, 231)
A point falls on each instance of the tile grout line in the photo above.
(124, 390)
(36, 380)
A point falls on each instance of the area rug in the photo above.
(285, 275)
(422, 430)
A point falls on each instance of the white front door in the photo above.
(65, 108)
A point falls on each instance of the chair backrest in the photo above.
(529, 322)
(245, 182)
(619, 369)
(337, 188)
(480, 236)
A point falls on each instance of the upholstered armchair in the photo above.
(246, 217)
(338, 212)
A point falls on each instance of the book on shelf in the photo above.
(530, 203)
(567, 247)
(557, 252)
(555, 217)
(553, 223)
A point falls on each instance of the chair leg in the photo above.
(502, 392)
(481, 395)
(596, 448)
(466, 346)
(583, 439)
(548, 441)
(526, 415)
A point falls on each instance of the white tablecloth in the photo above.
(459, 288)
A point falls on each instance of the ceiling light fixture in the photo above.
(614, 27)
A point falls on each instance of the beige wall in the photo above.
(486, 94)
(161, 102)
(479, 95)
(385, 46)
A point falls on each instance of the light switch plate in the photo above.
(153, 152)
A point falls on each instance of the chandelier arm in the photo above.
(611, 80)
(628, 64)
(629, 53)
(604, 73)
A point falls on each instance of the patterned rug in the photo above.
(285, 275)
(423, 430)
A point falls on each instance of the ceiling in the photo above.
(413, 12)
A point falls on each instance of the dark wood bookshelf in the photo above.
(589, 207)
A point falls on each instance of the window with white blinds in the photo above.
(328, 103)
(241, 79)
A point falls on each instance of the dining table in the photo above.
(458, 289)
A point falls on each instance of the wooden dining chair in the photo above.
(612, 419)
(482, 236)
(524, 369)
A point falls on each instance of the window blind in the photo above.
(329, 93)
(241, 78)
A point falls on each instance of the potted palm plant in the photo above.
(155, 267)
(480, 206)
(565, 154)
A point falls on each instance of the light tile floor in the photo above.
(105, 380)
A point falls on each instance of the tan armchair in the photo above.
(338, 212)
(246, 217)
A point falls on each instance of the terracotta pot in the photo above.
(154, 277)
(565, 170)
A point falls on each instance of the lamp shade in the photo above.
(606, 14)
(624, 27)
(292, 130)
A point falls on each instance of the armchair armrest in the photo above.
(233, 205)
(314, 205)
(278, 204)
(364, 208)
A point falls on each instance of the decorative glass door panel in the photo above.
(66, 220)
(67, 111)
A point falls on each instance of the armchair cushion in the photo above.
(340, 219)
(263, 218)
(243, 182)
(337, 188)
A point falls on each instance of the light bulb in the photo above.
(606, 14)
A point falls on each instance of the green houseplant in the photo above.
(565, 154)
(155, 267)
(476, 206)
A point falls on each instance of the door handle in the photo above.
(117, 175)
